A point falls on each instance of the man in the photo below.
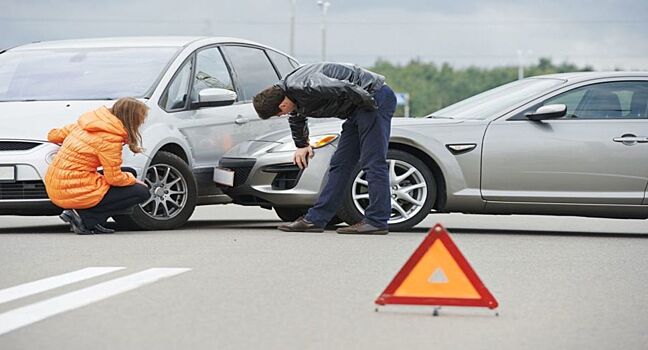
(361, 97)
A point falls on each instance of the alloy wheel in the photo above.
(407, 186)
(168, 192)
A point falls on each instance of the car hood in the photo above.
(34, 119)
(317, 127)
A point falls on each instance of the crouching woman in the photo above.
(73, 182)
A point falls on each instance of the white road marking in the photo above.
(26, 315)
(46, 284)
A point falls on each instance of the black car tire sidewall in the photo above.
(290, 214)
(138, 220)
(351, 215)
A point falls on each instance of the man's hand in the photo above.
(302, 155)
(141, 182)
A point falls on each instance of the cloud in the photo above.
(606, 34)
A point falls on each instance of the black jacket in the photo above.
(323, 90)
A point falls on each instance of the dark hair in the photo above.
(266, 103)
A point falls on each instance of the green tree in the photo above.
(432, 87)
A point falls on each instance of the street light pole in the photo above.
(293, 4)
(324, 5)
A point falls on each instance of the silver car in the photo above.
(199, 92)
(563, 144)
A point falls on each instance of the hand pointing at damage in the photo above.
(302, 155)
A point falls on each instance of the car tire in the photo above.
(425, 196)
(290, 214)
(170, 181)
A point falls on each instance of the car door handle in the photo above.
(240, 120)
(630, 139)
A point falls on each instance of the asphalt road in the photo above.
(231, 281)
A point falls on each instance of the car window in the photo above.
(81, 73)
(283, 64)
(211, 72)
(614, 100)
(175, 96)
(495, 102)
(254, 71)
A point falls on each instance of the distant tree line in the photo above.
(432, 87)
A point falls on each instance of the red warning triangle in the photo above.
(437, 274)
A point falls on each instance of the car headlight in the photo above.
(317, 141)
(322, 140)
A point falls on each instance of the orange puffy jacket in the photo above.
(96, 139)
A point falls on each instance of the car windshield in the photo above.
(81, 74)
(499, 100)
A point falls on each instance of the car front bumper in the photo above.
(270, 179)
(26, 195)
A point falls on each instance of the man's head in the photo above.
(272, 102)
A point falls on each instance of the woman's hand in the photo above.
(141, 182)
(302, 155)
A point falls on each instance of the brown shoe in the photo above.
(300, 225)
(362, 228)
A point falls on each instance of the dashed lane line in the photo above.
(45, 284)
(26, 315)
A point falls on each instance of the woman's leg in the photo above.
(116, 200)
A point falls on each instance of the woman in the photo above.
(95, 140)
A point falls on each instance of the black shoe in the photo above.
(300, 225)
(73, 218)
(66, 216)
(102, 230)
(362, 228)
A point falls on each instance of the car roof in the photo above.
(143, 41)
(583, 76)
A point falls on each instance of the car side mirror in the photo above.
(215, 97)
(548, 112)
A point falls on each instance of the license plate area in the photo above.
(7, 173)
(224, 176)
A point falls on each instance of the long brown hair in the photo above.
(132, 114)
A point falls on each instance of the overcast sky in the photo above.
(603, 33)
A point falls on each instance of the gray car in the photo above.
(563, 144)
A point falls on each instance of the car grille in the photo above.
(17, 145)
(287, 176)
(242, 168)
(23, 190)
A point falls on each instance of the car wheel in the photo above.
(173, 196)
(413, 191)
(290, 214)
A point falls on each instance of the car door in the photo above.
(210, 131)
(253, 72)
(596, 154)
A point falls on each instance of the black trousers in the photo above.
(117, 200)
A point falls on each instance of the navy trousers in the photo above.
(116, 201)
(364, 138)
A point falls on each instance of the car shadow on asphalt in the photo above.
(36, 229)
(191, 225)
(249, 225)
(272, 224)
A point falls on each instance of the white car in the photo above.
(199, 92)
